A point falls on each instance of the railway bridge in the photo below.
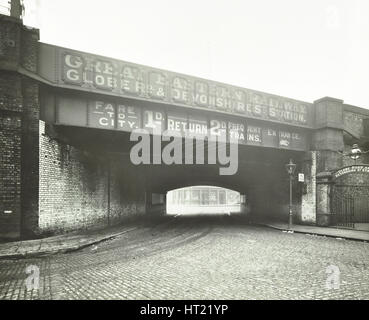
(66, 149)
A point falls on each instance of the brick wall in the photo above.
(18, 133)
(308, 198)
(18, 45)
(127, 190)
(10, 157)
(78, 190)
(30, 153)
(10, 175)
(10, 46)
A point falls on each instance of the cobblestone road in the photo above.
(197, 258)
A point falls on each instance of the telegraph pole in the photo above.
(16, 9)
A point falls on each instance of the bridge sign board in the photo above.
(81, 71)
(125, 115)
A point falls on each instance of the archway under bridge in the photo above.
(261, 175)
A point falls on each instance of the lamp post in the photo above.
(290, 167)
(355, 152)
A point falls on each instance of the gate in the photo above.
(361, 209)
(350, 205)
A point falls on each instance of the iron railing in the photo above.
(361, 209)
(343, 207)
(350, 208)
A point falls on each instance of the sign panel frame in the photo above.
(104, 114)
(93, 73)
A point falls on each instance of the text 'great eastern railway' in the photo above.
(83, 71)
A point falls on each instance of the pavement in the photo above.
(78, 240)
(68, 242)
(334, 232)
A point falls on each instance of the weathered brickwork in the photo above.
(72, 187)
(77, 190)
(30, 136)
(10, 157)
(308, 198)
(127, 190)
(18, 45)
(10, 175)
(19, 110)
(29, 51)
(10, 36)
(10, 92)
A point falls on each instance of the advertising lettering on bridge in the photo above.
(127, 117)
(83, 71)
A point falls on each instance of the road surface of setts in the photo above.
(206, 257)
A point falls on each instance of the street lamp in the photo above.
(290, 167)
(355, 152)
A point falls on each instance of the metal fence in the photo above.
(343, 207)
(350, 208)
(361, 209)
